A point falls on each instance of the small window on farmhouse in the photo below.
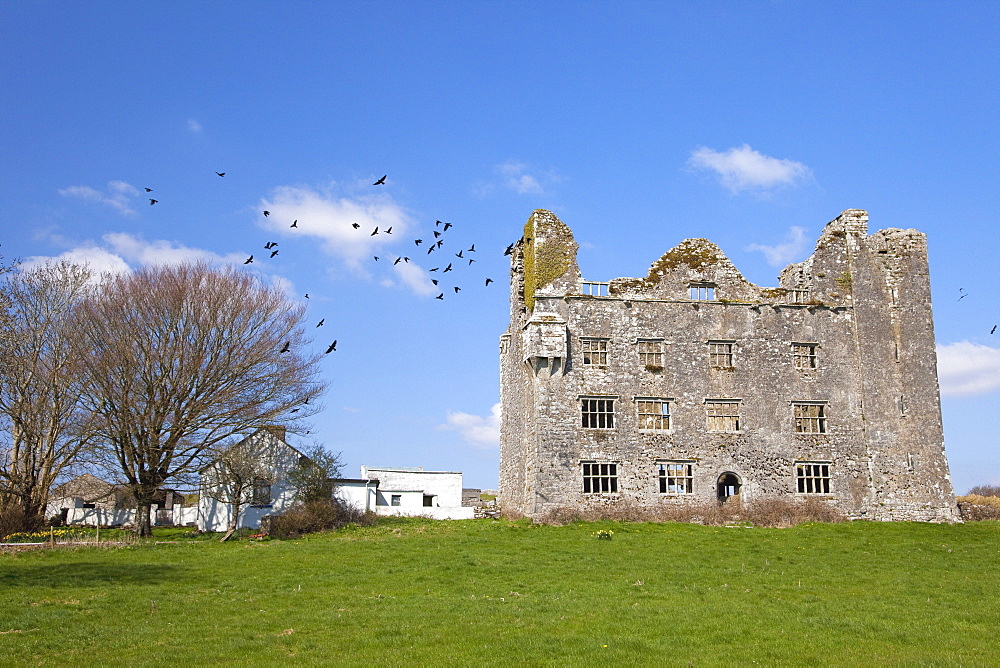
(395, 499)
(723, 414)
(702, 291)
(812, 477)
(654, 413)
(720, 354)
(598, 412)
(675, 478)
(600, 478)
(428, 500)
(650, 353)
(261, 495)
(804, 355)
(810, 418)
(595, 351)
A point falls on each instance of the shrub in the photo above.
(772, 512)
(318, 515)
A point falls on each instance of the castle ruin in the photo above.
(693, 384)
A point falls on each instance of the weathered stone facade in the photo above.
(693, 384)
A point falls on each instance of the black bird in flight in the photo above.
(447, 225)
(153, 201)
(472, 248)
(994, 329)
(307, 295)
(510, 249)
(381, 181)
(274, 252)
(439, 243)
(295, 223)
(471, 260)
(355, 225)
(488, 281)
(249, 260)
(266, 213)
(221, 173)
(149, 190)
(333, 346)
(458, 254)
(436, 234)
(294, 410)
(284, 348)
(457, 289)
(269, 245)
(376, 257)
(434, 269)
(374, 233)
(440, 296)
(389, 231)
(447, 269)
(418, 241)
(398, 259)
(406, 259)
(436, 223)
(431, 249)
(434, 281)
(320, 323)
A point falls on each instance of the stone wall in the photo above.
(862, 302)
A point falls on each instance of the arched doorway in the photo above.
(728, 486)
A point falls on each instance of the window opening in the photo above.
(654, 414)
(702, 291)
(723, 415)
(804, 355)
(813, 477)
(396, 499)
(595, 351)
(595, 289)
(810, 418)
(720, 354)
(650, 352)
(598, 413)
(600, 478)
(675, 478)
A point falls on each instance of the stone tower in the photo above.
(693, 384)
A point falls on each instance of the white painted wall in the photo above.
(411, 485)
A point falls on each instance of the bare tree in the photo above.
(313, 479)
(43, 426)
(235, 478)
(181, 359)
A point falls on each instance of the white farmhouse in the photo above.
(407, 491)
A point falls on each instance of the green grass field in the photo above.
(503, 593)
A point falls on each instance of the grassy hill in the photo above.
(501, 593)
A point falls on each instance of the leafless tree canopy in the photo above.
(180, 359)
(44, 428)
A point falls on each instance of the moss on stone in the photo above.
(844, 281)
(694, 253)
(544, 262)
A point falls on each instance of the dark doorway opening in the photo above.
(728, 486)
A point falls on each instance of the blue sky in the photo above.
(639, 124)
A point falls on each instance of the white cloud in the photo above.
(517, 179)
(120, 251)
(743, 168)
(193, 125)
(480, 432)
(100, 260)
(966, 368)
(118, 196)
(781, 254)
(416, 279)
(330, 218)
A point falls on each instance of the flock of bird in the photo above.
(464, 255)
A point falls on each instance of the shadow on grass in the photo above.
(86, 574)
